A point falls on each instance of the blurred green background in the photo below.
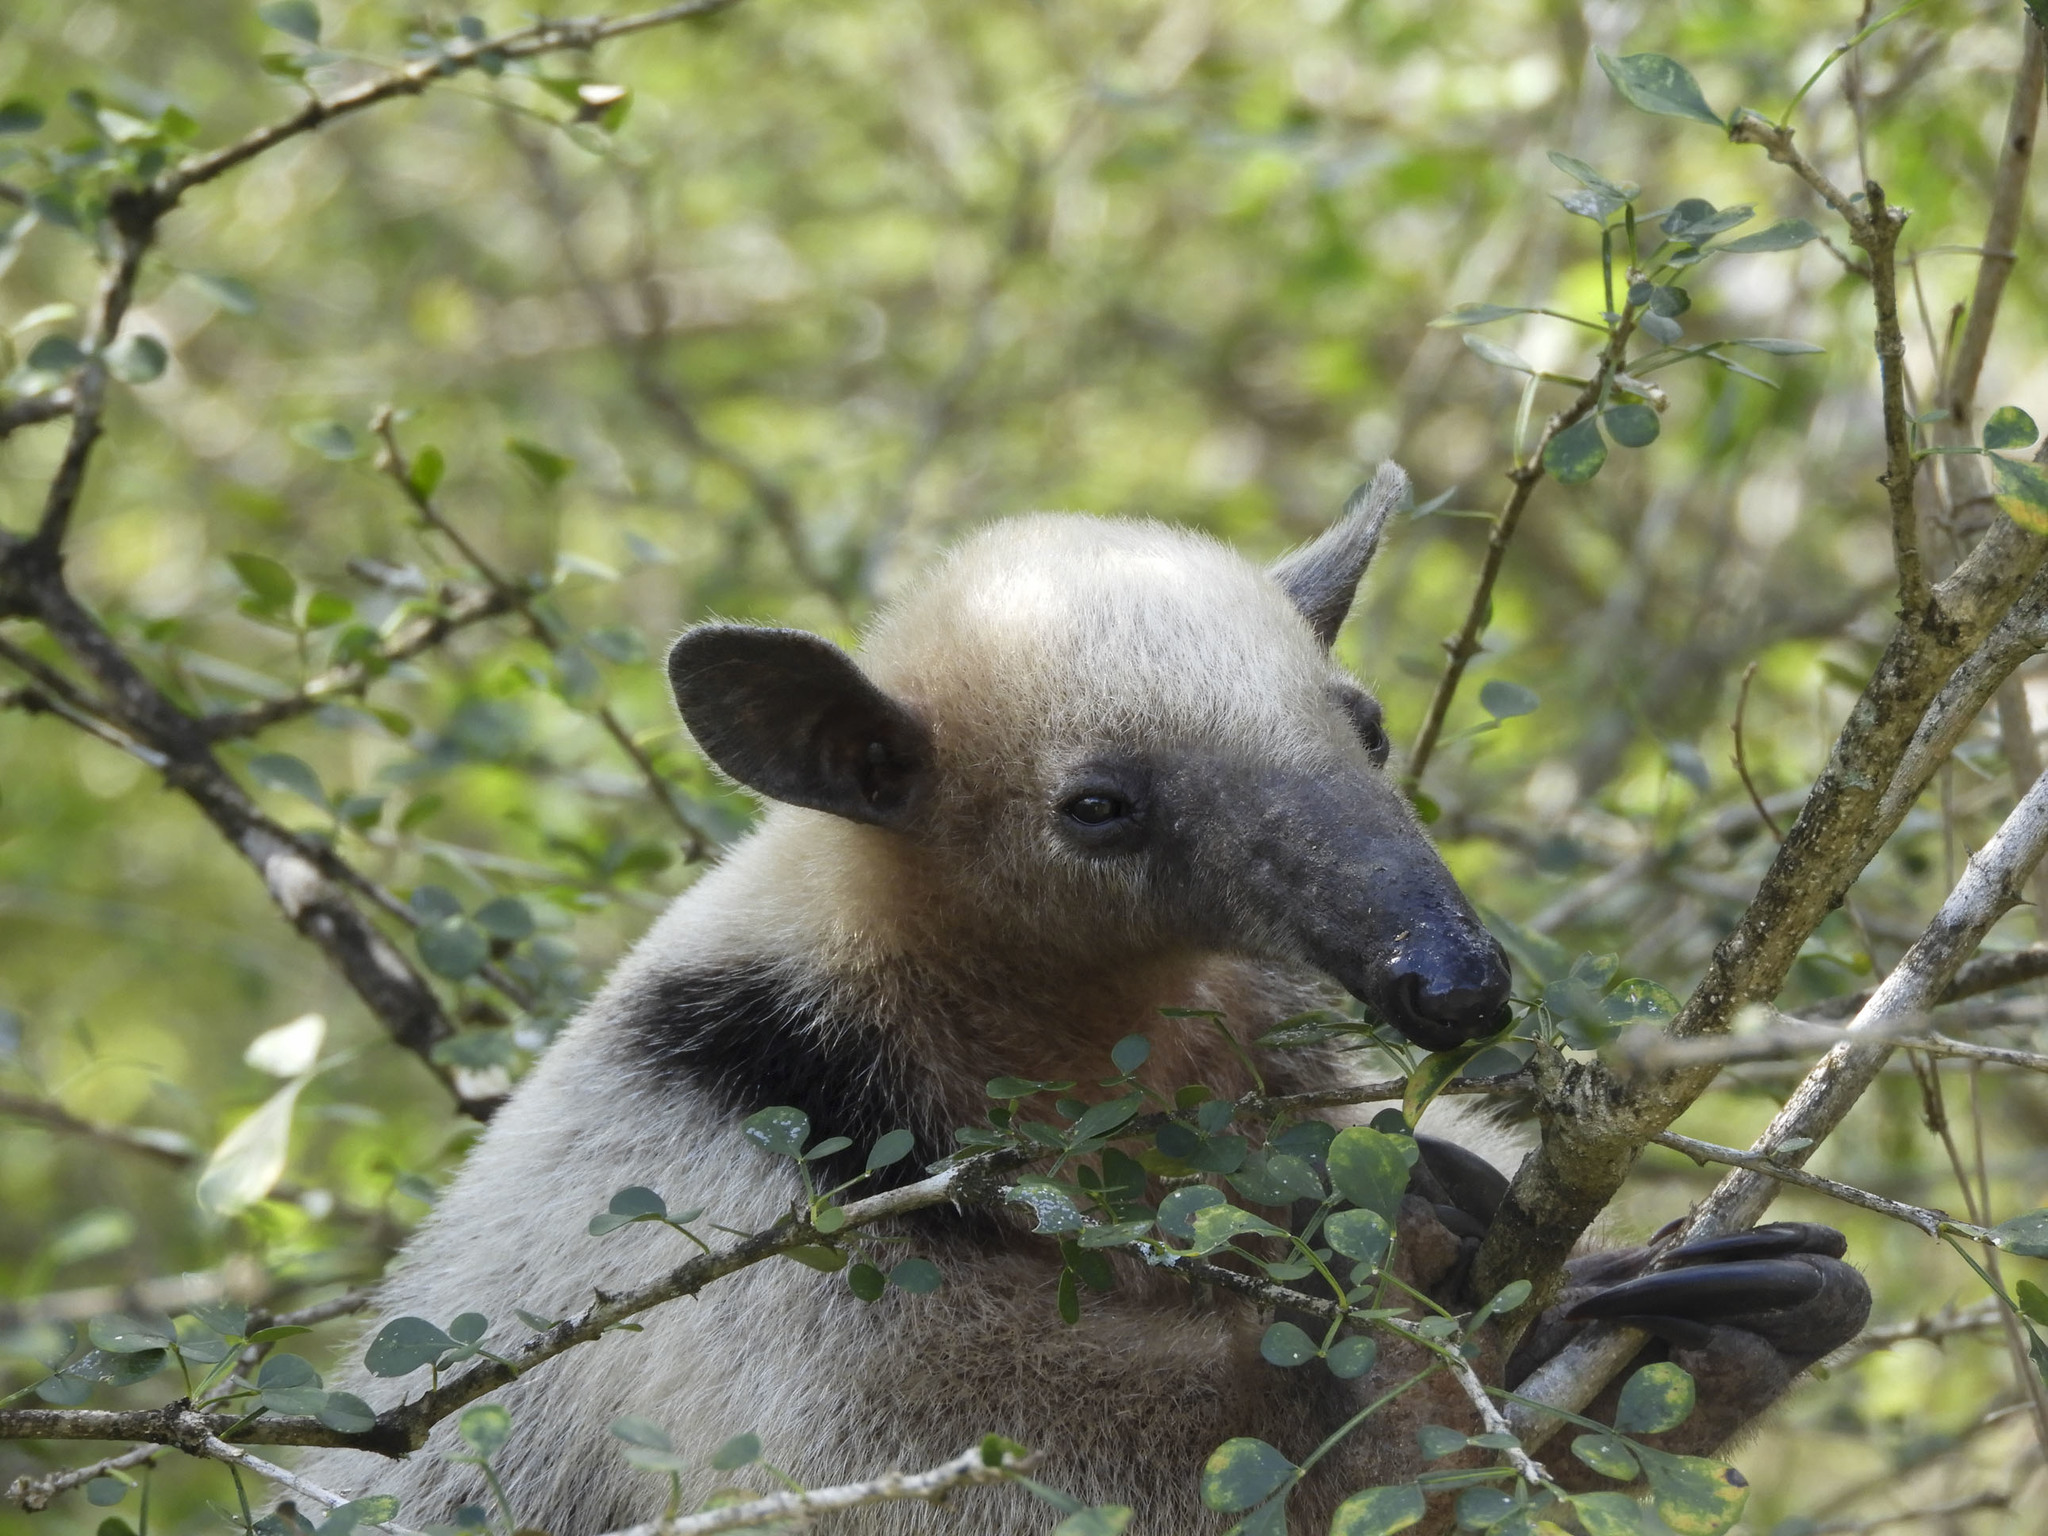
(844, 282)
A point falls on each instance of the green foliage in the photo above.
(1657, 1397)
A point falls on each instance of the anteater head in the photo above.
(1106, 742)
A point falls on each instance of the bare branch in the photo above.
(35, 1493)
(1926, 1219)
(457, 57)
(2002, 231)
(967, 1470)
(166, 1147)
(29, 410)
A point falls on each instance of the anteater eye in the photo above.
(1097, 809)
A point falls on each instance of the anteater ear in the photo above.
(791, 717)
(1322, 576)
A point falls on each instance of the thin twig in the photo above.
(35, 1493)
(423, 632)
(967, 1470)
(697, 839)
(1927, 1219)
(1522, 479)
(1742, 760)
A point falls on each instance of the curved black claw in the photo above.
(1739, 1289)
(1770, 1241)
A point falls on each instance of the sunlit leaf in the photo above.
(1379, 1511)
(289, 1049)
(2021, 493)
(251, 1158)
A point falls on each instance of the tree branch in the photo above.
(697, 840)
(1463, 646)
(422, 633)
(1990, 886)
(967, 1470)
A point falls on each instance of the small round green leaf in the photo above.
(296, 18)
(507, 917)
(2033, 1301)
(920, 1277)
(1656, 1398)
(1506, 701)
(866, 1282)
(1286, 1345)
(1632, 426)
(138, 359)
(453, 947)
(2026, 1234)
(779, 1129)
(1379, 1511)
(329, 439)
(1130, 1053)
(1575, 455)
(428, 466)
(1439, 1440)
(485, 1429)
(1369, 1169)
(1178, 1210)
(2021, 491)
(105, 1491)
(346, 1412)
(1693, 1495)
(2010, 427)
(1244, 1472)
(1363, 1236)
(405, 1344)
(1351, 1357)
(739, 1451)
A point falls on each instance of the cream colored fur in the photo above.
(1039, 640)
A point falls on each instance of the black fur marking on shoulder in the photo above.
(753, 1036)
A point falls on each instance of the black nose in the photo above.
(1443, 999)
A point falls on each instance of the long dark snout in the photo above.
(1333, 867)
